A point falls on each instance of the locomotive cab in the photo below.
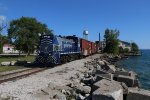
(48, 52)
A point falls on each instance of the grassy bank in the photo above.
(9, 68)
(21, 58)
(14, 58)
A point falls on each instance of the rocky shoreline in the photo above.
(108, 82)
(93, 78)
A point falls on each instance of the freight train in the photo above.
(54, 49)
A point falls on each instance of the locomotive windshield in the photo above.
(46, 44)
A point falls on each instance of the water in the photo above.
(141, 65)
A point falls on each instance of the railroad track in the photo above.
(19, 74)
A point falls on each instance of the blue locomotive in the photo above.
(57, 49)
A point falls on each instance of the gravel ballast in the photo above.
(24, 89)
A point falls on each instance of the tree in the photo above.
(112, 42)
(3, 24)
(3, 40)
(24, 33)
(134, 48)
(126, 50)
(121, 50)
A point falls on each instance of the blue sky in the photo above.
(68, 17)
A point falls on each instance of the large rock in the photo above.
(125, 73)
(101, 63)
(108, 68)
(88, 81)
(80, 97)
(90, 67)
(6, 63)
(125, 87)
(132, 74)
(99, 78)
(138, 94)
(98, 67)
(13, 63)
(99, 71)
(52, 86)
(83, 89)
(106, 62)
(129, 81)
(108, 76)
(49, 94)
(107, 90)
(60, 96)
(112, 68)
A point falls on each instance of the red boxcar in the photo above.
(93, 47)
(86, 48)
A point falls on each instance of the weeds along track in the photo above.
(19, 74)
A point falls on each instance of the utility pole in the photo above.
(99, 41)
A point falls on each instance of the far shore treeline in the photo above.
(112, 44)
(24, 34)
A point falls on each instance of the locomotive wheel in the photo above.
(68, 58)
(63, 59)
(78, 56)
(73, 57)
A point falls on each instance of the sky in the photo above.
(72, 17)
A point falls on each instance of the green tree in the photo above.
(126, 50)
(24, 33)
(121, 50)
(134, 48)
(112, 42)
(1, 48)
(3, 25)
(3, 39)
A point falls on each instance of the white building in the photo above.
(8, 48)
(124, 45)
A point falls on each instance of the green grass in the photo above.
(14, 58)
(9, 68)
